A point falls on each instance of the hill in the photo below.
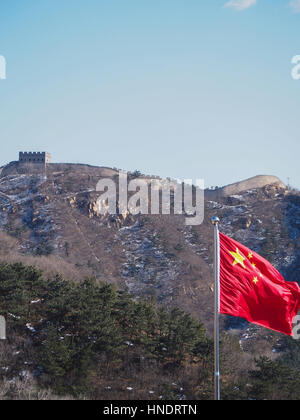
(53, 223)
(50, 220)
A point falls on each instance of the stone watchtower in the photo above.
(35, 157)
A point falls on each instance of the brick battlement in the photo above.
(35, 157)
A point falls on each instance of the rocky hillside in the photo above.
(52, 220)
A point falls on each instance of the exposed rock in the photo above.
(243, 223)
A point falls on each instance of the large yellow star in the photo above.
(238, 258)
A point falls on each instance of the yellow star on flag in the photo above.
(238, 258)
(255, 280)
(250, 255)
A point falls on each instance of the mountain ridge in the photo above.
(149, 255)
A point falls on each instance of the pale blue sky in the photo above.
(180, 88)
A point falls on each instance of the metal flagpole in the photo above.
(215, 221)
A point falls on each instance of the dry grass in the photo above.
(51, 265)
(26, 390)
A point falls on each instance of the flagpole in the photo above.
(215, 221)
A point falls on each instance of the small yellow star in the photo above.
(238, 258)
(253, 265)
(255, 280)
(250, 255)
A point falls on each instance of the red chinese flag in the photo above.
(253, 289)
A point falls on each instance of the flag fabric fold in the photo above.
(251, 288)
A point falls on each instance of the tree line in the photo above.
(91, 340)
